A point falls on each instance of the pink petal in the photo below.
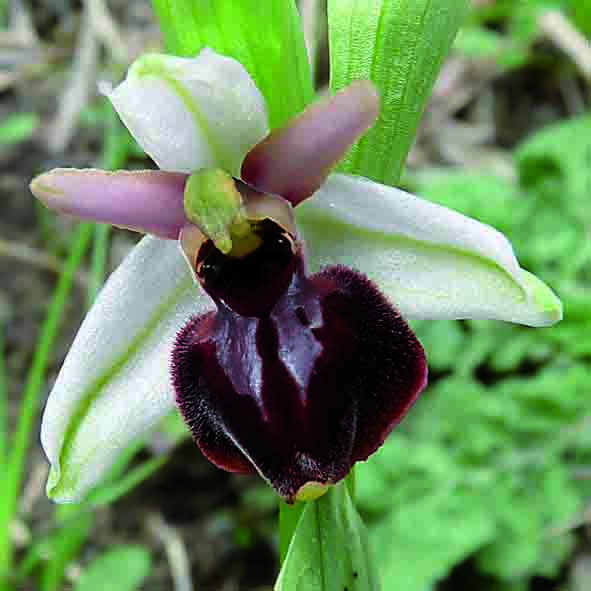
(294, 161)
(149, 201)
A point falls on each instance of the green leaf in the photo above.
(3, 397)
(581, 13)
(478, 42)
(522, 530)
(524, 19)
(110, 492)
(556, 163)
(329, 550)
(420, 521)
(18, 128)
(399, 45)
(432, 534)
(289, 517)
(121, 568)
(265, 36)
(172, 430)
(444, 342)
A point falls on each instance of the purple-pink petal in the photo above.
(294, 161)
(149, 201)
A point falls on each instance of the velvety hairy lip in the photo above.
(302, 393)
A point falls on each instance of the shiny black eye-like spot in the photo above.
(281, 247)
(211, 269)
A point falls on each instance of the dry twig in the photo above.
(35, 486)
(106, 30)
(556, 27)
(310, 16)
(22, 24)
(176, 552)
(581, 572)
(30, 256)
(77, 93)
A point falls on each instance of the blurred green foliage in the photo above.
(581, 14)
(17, 128)
(485, 466)
(122, 568)
(507, 30)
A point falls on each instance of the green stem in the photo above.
(13, 475)
(3, 402)
(98, 265)
(350, 482)
(115, 153)
(3, 13)
(289, 516)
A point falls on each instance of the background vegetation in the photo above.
(486, 485)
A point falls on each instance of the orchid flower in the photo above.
(288, 362)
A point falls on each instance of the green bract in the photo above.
(400, 46)
(330, 549)
(263, 35)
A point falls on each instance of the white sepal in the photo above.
(192, 113)
(431, 261)
(114, 385)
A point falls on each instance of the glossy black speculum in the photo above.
(297, 377)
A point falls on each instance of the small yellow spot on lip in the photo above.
(311, 491)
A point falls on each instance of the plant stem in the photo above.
(3, 14)
(350, 482)
(289, 516)
(98, 265)
(3, 401)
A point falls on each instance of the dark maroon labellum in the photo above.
(296, 377)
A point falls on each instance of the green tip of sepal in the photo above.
(150, 64)
(547, 303)
(52, 483)
(59, 489)
(213, 203)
